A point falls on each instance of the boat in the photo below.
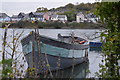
(79, 71)
(48, 54)
(95, 44)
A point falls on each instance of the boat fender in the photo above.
(82, 42)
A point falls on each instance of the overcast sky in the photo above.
(15, 6)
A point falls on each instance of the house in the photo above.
(62, 18)
(15, 18)
(92, 18)
(26, 17)
(54, 17)
(32, 16)
(40, 16)
(23, 16)
(4, 17)
(46, 16)
(80, 17)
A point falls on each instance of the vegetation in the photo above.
(109, 13)
(71, 16)
(55, 25)
(9, 51)
(42, 9)
(78, 7)
(4, 23)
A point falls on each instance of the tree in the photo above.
(70, 5)
(109, 13)
(42, 9)
(71, 16)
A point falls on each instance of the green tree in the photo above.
(70, 5)
(71, 16)
(42, 9)
(109, 13)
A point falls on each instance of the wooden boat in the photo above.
(48, 54)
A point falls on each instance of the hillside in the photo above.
(71, 10)
(82, 7)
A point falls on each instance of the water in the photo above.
(80, 70)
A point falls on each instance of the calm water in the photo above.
(79, 70)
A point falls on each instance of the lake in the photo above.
(80, 71)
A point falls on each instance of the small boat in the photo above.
(49, 54)
(95, 44)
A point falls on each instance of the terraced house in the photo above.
(33, 16)
(40, 16)
(4, 17)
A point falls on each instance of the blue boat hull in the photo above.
(95, 44)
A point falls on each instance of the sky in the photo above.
(14, 7)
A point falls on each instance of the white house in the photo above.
(4, 17)
(92, 18)
(80, 17)
(62, 18)
(54, 17)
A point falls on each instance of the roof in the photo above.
(79, 14)
(3, 15)
(39, 13)
(22, 13)
(14, 16)
(54, 16)
(91, 15)
(61, 16)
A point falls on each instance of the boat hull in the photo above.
(95, 44)
(44, 62)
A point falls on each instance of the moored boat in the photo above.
(48, 54)
(95, 44)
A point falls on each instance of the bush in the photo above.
(55, 25)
